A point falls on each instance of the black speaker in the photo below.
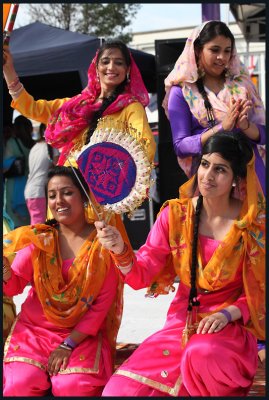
(139, 225)
(171, 175)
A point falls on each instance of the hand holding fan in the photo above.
(115, 166)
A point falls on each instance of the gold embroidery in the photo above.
(26, 360)
(173, 391)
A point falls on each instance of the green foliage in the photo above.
(110, 20)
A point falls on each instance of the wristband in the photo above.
(65, 347)
(227, 314)
(70, 343)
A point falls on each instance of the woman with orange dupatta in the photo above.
(63, 341)
(215, 243)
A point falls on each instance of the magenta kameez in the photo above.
(218, 364)
(33, 338)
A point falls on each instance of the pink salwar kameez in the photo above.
(218, 364)
(33, 338)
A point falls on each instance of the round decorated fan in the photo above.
(115, 166)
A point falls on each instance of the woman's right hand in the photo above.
(6, 269)
(232, 114)
(109, 237)
(8, 66)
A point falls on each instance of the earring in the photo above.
(226, 72)
(98, 77)
(234, 184)
(128, 77)
(85, 204)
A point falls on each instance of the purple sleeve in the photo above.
(92, 321)
(152, 256)
(21, 272)
(186, 131)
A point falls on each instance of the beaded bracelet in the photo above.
(227, 314)
(125, 258)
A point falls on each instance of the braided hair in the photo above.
(237, 150)
(193, 291)
(111, 44)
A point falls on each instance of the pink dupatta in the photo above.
(72, 119)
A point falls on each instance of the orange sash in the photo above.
(245, 242)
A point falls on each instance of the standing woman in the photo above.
(64, 338)
(115, 90)
(209, 90)
(215, 244)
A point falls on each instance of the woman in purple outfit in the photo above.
(209, 90)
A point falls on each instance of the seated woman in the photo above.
(215, 243)
(64, 338)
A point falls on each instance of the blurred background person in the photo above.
(19, 144)
(41, 157)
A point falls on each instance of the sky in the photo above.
(154, 16)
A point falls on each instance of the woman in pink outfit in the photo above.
(214, 242)
(63, 341)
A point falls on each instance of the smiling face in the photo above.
(65, 200)
(215, 55)
(215, 176)
(112, 69)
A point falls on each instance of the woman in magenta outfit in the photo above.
(64, 338)
(209, 90)
(215, 243)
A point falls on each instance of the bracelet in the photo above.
(70, 343)
(13, 83)
(227, 314)
(246, 127)
(125, 258)
(18, 91)
(63, 346)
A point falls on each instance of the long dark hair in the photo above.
(59, 170)
(211, 30)
(110, 44)
(23, 129)
(235, 148)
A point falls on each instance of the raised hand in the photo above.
(109, 237)
(232, 114)
(242, 120)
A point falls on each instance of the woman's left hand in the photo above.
(58, 359)
(242, 120)
(212, 323)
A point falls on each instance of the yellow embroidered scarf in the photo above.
(245, 242)
(64, 304)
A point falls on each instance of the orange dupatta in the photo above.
(64, 304)
(244, 242)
